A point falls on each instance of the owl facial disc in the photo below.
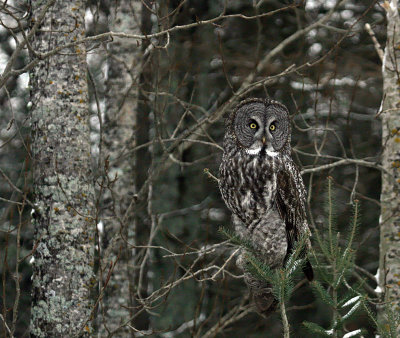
(262, 127)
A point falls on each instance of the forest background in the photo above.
(159, 86)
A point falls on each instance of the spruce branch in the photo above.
(286, 327)
(334, 261)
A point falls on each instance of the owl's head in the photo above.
(261, 125)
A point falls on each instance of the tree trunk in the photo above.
(142, 166)
(62, 181)
(389, 263)
(124, 66)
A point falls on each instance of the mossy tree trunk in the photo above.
(62, 181)
(389, 265)
(122, 90)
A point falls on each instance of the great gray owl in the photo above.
(263, 188)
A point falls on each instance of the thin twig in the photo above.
(377, 45)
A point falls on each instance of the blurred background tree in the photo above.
(198, 59)
(389, 221)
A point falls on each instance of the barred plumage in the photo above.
(263, 188)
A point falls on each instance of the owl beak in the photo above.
(264, 140)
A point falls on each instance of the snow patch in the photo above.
(329, 332)
(302, 86)
(100, 227)
(352, 310)
(347, 14)
(312, 4)
(378, 289)
(377, 276)
(352, 333)
(88, 17)
(315, 48)
(351, 301)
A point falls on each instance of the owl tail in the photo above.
(308, 270)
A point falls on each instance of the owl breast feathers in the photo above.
(263, 188)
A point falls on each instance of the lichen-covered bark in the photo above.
(389, 266)
(124, 63)
(62, 184)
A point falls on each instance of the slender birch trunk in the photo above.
(389, 263)
(124, 66)
(62, 182)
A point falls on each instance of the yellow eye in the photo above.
(272, 127)
(253, 125)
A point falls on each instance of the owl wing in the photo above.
(290, 202)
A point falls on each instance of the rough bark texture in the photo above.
(389, 265)
(62, 184)
(124, 63)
